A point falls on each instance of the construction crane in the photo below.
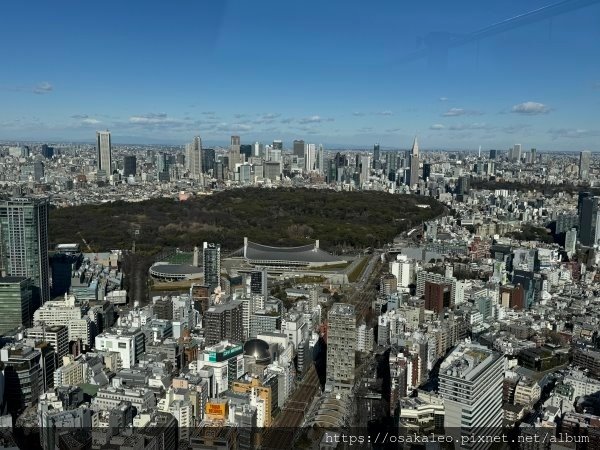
(87, 246)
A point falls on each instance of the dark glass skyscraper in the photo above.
(376, 156)
(208, 159)
(588, 221)
(298, 148)
(129, 166)
(24, 239)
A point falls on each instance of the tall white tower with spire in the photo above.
(413, 175)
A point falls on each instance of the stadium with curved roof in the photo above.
(174, 272)
(307, 256)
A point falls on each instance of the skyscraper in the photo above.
(298, 148)
(470, 382)
(193, 157)
(208, 159)
(516, 153)
(413, 177)
(277, 145)
(589, 230)
(47, 152)
(211, 257)
(493, 154)
(129, 166)
(376, 156)
(104, 152)
(310, 151)
(24, 236)
(341, 347)
(320, 160)
(584, 164)
(15, 303)
(234, 155)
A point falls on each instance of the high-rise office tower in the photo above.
(277, 145)
(234, 155)
(211, 257)
(493, 154)
(571, 242)
(193, 157)
(470, 382)
(365, 168)
(24, 236)
(589, 229)
(584, 164)
(104, 152)
(129, 166)
(516, 153)
(298, 148)
(533, 154)
(341, 346)
(413, 177)
(310, 151)
(320, 160)
(15, 303)
(376, 156)
(162, 162)
(258, 282)
(46, 151)
(208, 159)
(426, 171)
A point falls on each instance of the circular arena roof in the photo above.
(258, 349)
(175, 271)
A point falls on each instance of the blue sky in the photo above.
(332, 72)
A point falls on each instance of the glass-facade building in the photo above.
(24, 243)
(15, 303)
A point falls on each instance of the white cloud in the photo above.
(384, 113)
(150, 119)
(437, 126)
(315, 119)
(530, 108)
(572, 133)
(443, 99)
(90, 121)
(358, 113)
(43, 88)
(453, 112)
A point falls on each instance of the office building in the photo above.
(571, 242)
(211, 256)
(224, 322)
(24, 236)
(298, 148)
(277, 145)
(258, 282)
(162, 163)
(193, 158)
(584, 164)
(437, 296)
(413, 173)
(65, 261)
(55, 335)
(208, 160)
(23, 376)
(234, 155)
(128, 343)
(341, 347)
(104, 152)
(46, 151)
(589, 231)
(376, 156)
(493, 154)
(129, 166)
(310, 152)
(470, 382)
(15, 303)
(320, 160)
(516, 153)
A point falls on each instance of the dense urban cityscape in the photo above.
(480, 320)
(315, 225)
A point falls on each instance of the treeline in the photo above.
(342, 221)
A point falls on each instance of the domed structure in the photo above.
(259, 350)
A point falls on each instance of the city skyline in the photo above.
(347, 82)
